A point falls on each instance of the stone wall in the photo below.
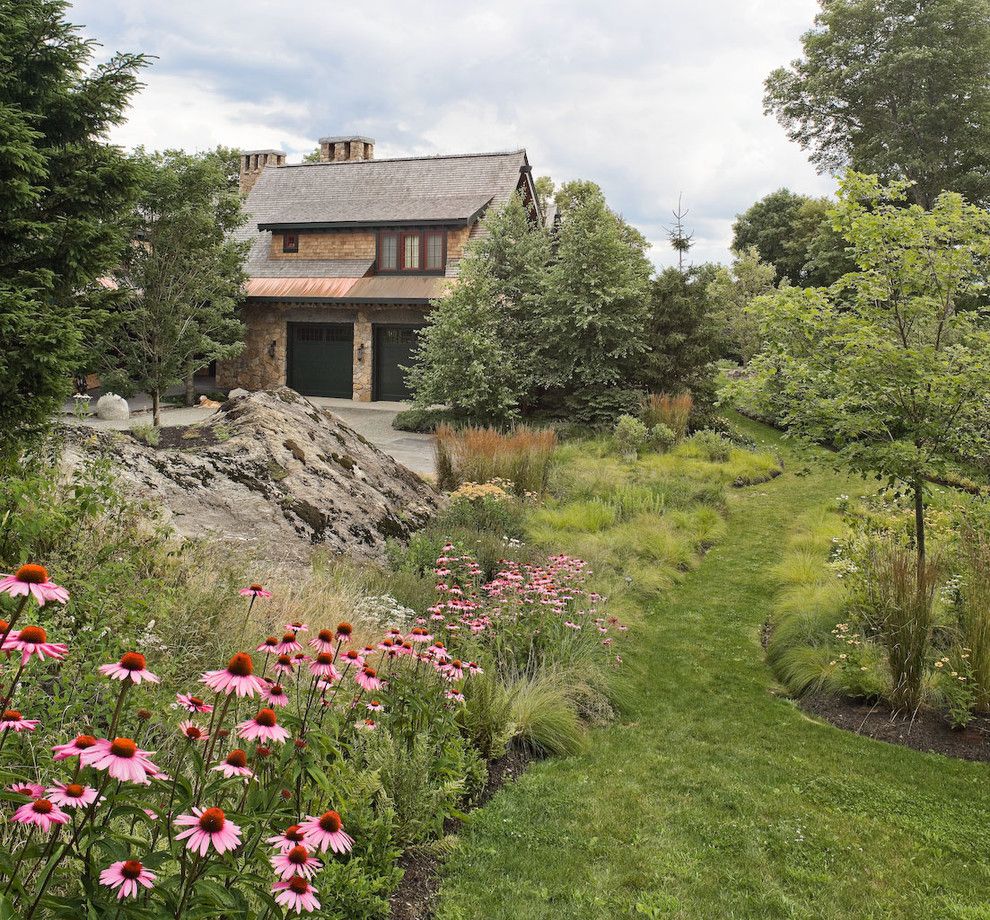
(263, 362)
(328, 244)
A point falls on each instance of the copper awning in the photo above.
(377, 289)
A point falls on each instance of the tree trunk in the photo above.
(156, 413)
(190, 389)
(919, 524)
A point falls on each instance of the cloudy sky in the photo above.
(649, 98)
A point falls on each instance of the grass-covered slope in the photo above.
(715, 797)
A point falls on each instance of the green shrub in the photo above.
(486, 512)
(486, 716)
(423, 421)
(629, 435)
(147, 434)
(711, 446)
(661, 437)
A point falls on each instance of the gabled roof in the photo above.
(447, 190)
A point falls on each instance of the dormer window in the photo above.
(290, 242)
(413, 251)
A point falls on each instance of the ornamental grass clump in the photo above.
(281, 779)
(522, 456)
(664, 409)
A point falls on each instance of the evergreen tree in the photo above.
(63, 190)
(182, 277)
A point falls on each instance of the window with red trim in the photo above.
(290, 242)
(388, 252)
(434, 245)
(423, 251)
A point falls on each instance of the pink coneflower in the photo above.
(33, 580)
(296, 894)
(326, 832)
(192, 703)
(208, 826)
(290, 837)
(324, 640)
(11, 720)
(121, 758)
(419, 634)
(71, 795)
(288, 644)
(473, 668)
(33, 640)
(375, 706)
(31, 790)
(455, 695)
(322, 666)
(254, 591)
(40, 813)
(453, 670)
(192, 731)
(295, 861)
(132, 666)
(238, 677)
(235, 764)
(367, 679)
(297, 626)
(126, 876)
(268, 646)
(344, 631)
(571, 625)
(275, 695)
(74, 748)
(264, 727)
(284, 665)
(353, 657)
(366, 725)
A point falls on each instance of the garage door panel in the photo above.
(321, 359)
(394, 349)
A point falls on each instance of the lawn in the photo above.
(714, 796)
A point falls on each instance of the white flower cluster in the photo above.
(384, 610)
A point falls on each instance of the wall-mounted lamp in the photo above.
(271, 349)
(360, 353)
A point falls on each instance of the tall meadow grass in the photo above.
(522, 456)
(672, 411)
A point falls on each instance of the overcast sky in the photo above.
(649, 98)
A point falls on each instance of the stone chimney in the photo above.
(340, 149)
(253, 161)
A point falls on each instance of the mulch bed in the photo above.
(183, 437)
(926, 731)
(416, 896)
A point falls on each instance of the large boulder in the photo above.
(112, 407)
(274, 472)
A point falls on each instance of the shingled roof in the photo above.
(413, 190)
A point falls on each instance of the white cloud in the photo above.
(650, 98)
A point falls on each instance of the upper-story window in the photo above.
(290, 242)
(412, 251)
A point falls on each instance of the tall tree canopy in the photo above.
(900, 88)
(63, 191)
(885, 365)
(793, 233)
(182, 276)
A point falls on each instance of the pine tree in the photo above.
(63, 191)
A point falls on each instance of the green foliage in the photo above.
(863, 62)
(489, 513)
(684, 339)
(63, 193)
(423, 421)
(593, 317)
(794, 234)
(474, 355)
(731, 291)
(544, 716)
(486, 716)
(885, 366)
(629, 435)
(711, 446)
(661, 437)
(181, 287)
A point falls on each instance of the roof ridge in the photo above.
(429, 156)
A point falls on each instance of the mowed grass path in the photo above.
(715, 798)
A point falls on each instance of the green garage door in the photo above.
(394, 347)
(321, 357)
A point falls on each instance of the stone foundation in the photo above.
(263, 362)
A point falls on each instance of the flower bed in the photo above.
(288, 778)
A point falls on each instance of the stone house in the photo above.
(346, 255)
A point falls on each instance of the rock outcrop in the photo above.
(273, 472)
